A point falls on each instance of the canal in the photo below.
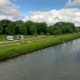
(61, 62)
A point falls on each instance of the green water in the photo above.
(61, 62)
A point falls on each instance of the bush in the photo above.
(35, 34)
(42, 33)
(47, 34)
(57, 32)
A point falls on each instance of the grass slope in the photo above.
(30, 45)
(4, 37)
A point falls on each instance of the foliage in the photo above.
(57, 32)
(47, 34)
(35, 34)
(50, 30)
(33, 29)
(30, 27)
(17, 26)
(63, 29)
(5, 24)
(22, 29)
(11, 28)
(28, 24)
(69, 29)
(41, 27)
(1, 29)
(36, 44)
(42, 33)
(66, 27)
(71, 25)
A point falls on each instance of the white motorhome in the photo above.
(22, 37)
(10, 38)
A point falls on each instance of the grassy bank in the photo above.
(4, 37)
(26, 46)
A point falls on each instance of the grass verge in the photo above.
(10, 51)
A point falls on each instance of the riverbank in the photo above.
(27, 46)
(4, 37)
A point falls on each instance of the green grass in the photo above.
(33, 44)
(4, 37)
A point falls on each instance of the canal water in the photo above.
(61, 62)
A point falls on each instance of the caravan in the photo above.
(10, 38)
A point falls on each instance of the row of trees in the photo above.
(30, 28)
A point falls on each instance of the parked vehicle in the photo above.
(10, 38)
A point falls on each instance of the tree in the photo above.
(71, 25)
(1, 29)
(11, 28)
(63, 29)
(47, 34)
(5, 24)
(69, 29)
(42, 33)
(60, 24)
(33, 29)
(22, 29)
(41, 27)
(28, 24)
(35, 34)
(57, 32)
(56, 28)
(17, 26)
(50, 30)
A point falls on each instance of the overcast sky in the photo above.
(50, 11)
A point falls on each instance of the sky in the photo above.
(49, 11)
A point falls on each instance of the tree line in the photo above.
(30, 27)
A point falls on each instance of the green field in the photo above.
(10, 49)
(4, 37)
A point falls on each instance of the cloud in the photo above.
(53, 16)
(72, 3)
(4, 2)
(8, 10)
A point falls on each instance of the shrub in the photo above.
(42, 33)
(57, 32)
(35, 34)
(47, 34)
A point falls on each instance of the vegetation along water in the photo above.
(60, 62)
(16, 48)
(40, 36)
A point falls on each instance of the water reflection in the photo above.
(55, 63)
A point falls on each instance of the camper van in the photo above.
(10, 38)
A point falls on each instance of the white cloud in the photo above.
(8, 10)
(72, 3)
(53, 16)
(4, 2)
